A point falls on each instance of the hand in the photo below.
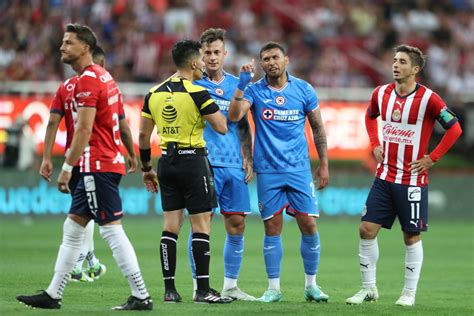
(246, 75)
(63, 181)
(322, 173)
(151, 181)
(421, 165)
(46, 169)
(248, 168)
(378, 153)
(132, 164)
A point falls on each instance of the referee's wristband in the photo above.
(67, 167)
(145, 155)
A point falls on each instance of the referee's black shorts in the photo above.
(187, 182)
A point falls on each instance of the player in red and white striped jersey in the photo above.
(61, 106)
(408, 112)
(96, 142)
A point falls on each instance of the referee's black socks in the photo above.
(202, 258)
(168, 258)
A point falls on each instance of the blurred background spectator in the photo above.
(332, 43)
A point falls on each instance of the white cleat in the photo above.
(406, 299)
(237, 294)
(369, 294)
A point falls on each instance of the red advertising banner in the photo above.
(343, 122)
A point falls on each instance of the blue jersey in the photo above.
(280, 116)
(224, 150)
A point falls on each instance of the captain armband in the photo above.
(447, 118)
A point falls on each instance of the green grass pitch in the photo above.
(28, 248)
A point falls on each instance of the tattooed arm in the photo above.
(320, 141)
(245, 137)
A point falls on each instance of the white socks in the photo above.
(88, 236)
(413, 263)
(310, 280)
(229, 283)
(368, 256)
(274, 284)
(125, 257)
(73, 236)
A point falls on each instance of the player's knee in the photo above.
(367, 232)
(73, 233)
(411, 238)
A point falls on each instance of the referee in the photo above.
(179, 109)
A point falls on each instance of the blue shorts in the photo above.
(231, 190)
(75, 176)
(97, 196)
(293, 191)
(388, 200)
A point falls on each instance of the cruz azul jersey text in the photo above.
(224, 150)
(97, 89)
(407, 124)
(280, 117)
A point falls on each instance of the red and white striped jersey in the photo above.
(62, 104)
(96, 88)
(407, 124)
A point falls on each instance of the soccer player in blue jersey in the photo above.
(280, 104)
(232, 172)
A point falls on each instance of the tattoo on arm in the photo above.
(319, 134)
(245, 137)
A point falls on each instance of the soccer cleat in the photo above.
(172, 296)
(41, 300)
(271, 296)
(211, 297)
(79, 276)
(236, 294)
(314, 293)
(211, 290)
(369, 294)
(406, 299)
(97, 271)
(136, 304)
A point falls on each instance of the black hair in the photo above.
(416, 55)
(272, 45)
(184, 50)
(84, 34)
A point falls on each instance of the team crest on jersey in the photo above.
(219, 91)
(396, 115)
(280, 100)
(267, 114)
(169, 114)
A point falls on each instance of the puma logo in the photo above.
(365, 265)
(411, 269)
(399, 103)
(414, 223)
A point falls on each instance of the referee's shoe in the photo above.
(211, 297)
(135, 304)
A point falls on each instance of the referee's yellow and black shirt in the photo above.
(176, 106)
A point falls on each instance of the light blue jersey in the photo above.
(224, 150)
(280, 116)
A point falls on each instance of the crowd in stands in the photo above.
(330, 43)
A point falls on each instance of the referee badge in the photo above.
(396, 115)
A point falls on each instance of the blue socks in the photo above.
(273, 252)
(233, 252)
(310, 251)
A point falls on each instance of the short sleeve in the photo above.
(57, 104)
(204, 102)
(311, 100)
(146, 107)
(441, 112)
(121, 111)
(87, 90)
(248, 93)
